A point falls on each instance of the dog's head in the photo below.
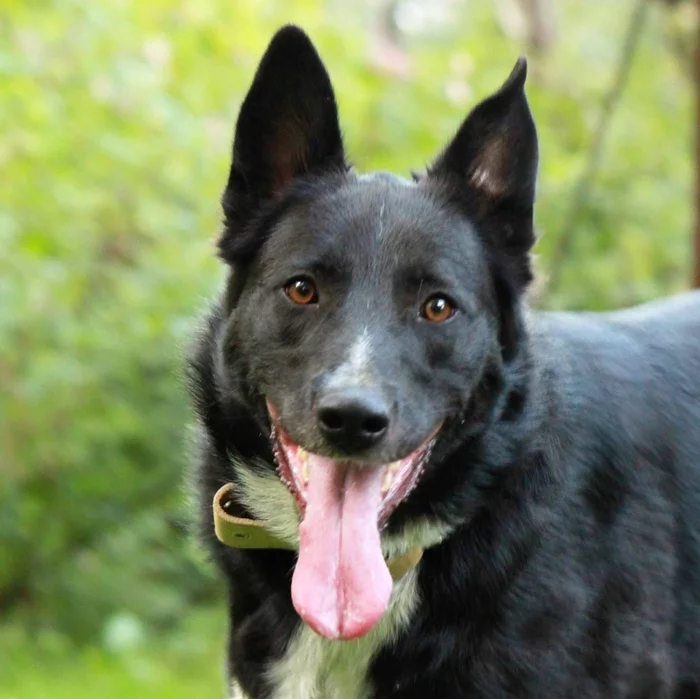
(366, 314)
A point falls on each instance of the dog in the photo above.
(415, 486)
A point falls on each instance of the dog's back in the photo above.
(633, 373)
(626, 542)
(638, 366)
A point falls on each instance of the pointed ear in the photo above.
(491, 168)
(287, 127)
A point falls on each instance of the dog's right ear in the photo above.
(287, 127)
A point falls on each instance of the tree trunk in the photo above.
(540, 21)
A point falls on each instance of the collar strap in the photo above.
(243, 533)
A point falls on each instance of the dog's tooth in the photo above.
(394, 466)
(388, 478)
(303, 457)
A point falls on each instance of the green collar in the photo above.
(244, 533)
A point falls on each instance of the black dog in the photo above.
(374, 387)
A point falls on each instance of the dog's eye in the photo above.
(438, 309)
(301, 291)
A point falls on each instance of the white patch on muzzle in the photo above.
(356, 369)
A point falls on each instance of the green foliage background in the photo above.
(116, 119)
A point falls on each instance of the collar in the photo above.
(243, 533)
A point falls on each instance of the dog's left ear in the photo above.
(490, 167)
(287, 127)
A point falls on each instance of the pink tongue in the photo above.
(341, 584)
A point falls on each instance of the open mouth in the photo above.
(341, 584)
(398, 478)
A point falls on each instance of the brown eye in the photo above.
(438, 309)
(301, 291)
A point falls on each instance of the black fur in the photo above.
(568, 463)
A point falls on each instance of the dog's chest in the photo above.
(316, 668)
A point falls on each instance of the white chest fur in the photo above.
(316, 668)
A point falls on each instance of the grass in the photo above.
(184, 663)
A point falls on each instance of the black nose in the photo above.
(353, 419)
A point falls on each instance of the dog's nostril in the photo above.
(375, 425)
(331, 419)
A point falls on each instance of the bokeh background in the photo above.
(116, 118)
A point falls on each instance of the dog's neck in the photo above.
(236, 530)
